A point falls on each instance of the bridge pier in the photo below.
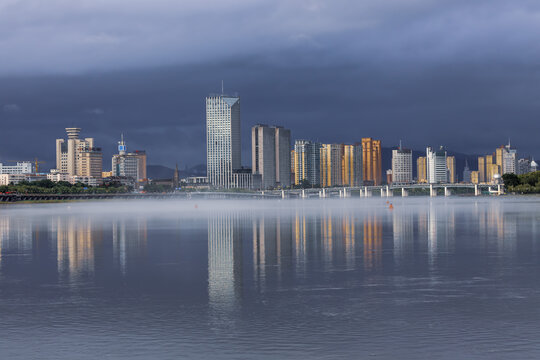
(367, 193)
(303, 193)
(283, 194)
(404, 192)
(389, 193)
(382, 192)
(476, 190)
(500, 189)
(432, 191)
(446, 191)
(361, 192)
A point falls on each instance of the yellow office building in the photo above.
(421, 169)
(371, 161)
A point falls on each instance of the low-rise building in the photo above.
(22, 167)
(7, 179)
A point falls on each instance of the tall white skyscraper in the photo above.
(510, 160)
(402, 170)
(223, 140)
(437, 171)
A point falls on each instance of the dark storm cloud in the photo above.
(459, 73)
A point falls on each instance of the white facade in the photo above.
(402, 170)
(436, 171)
(223, 140)
(57, 176)
(78, 156)
(510, 161)
(24, 167)
(6, 179)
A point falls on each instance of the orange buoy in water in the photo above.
(391, 207)
(388, 202)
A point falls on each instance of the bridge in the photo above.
(342, 192)
(388, 190)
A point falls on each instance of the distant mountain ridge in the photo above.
(164, 172)
(460, 161)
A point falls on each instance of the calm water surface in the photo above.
(442, 278)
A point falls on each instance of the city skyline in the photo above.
(420, 80)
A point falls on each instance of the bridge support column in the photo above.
(345, 193)
(476, 190)
(389, 192)
(382, 192)
(367, 193)
(361, 192)
(446, 191)
(432, 191)
(283, 194)
(404, 192)
(500, 189)
(303, 193)
(323, 192)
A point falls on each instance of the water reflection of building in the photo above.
(372, 241)
(272, 247)
(129, 241)
(440, 230)
(76, 241)
(15, 236)
(225, 259)
(403, 234)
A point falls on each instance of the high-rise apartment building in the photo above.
(331, 164)
(499, 155)
(293, 166)
(436, 166)
(467, 173)
(524, 166)
(223, 140)
(402, 168)
(307, 162)
(451, 166)
(421, 168)
(283, 156)
(481, 169)
(491, 168)
(263, 154)
(475, 177)
(270, 155)
(125, 164)
(352, 165)
(371, 161)
(509, 160)
(78, 157)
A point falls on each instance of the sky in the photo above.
(463, 74)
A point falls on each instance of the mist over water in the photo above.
(438, 278)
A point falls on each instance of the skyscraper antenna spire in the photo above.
(399, 144)
(222, 87)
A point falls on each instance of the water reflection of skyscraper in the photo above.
(372, 241)
(225, 260)
(403, 233)
(15, 235)
(129, 237)
(440, 230)
(76, 240)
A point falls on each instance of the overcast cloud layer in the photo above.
(460, 73)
